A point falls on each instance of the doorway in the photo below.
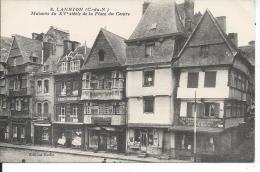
(102, 144)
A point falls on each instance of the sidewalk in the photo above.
(87, 153)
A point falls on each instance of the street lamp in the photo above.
(195, 128)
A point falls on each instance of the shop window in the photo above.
(210, 79)
(39, 108)
(22, 132)
(186, 142)
(75, 88)
(148, 80)
(45, 108)
(14, 131)
(18, 106)
(211, 109)
(193, 80)
(101, 55)
(46, 86)
(204, 51)
(39, 86)
(63, 89)
(12, 105)
(45, 134)
(148, 104)
(149, 48)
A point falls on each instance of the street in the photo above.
(17, 155)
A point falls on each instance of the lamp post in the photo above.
(195, 129)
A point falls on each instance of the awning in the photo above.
(109, 128)
(42, 125)
(199, 129)
(148, 125)
(95, 128)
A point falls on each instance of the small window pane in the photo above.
(193, 80)
(149, 104)
(210, 79)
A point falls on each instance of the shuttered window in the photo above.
(148, 104)
(210, 79)
(193, 78)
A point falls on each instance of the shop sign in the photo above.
(101, 120)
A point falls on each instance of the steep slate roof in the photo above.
(28, 47)
(226, 58)
(162, 13)
(5, 47)
(118, 46)
(249, 53)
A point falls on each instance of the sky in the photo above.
(16, 17)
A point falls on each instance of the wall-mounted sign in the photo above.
(101, 120)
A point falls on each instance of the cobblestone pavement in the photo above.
(16, 153)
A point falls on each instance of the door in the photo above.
(102, 145)
(2, 134)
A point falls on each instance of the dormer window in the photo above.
(204, 51)
(64, 66)
(149, 49)
(101, 55)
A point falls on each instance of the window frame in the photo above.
(101, 55)
(46, 92)
(190, 84)
(204, 51)
(207, 84)
(148, 98)
(149, 49)
(144, 78)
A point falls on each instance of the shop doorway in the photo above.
(2, 134)
(102, 145)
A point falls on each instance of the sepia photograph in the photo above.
(130, 81)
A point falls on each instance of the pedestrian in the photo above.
(104, 161)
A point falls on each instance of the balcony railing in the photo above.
(42, 116)
(69, 118)
(20, 92)
(21, 114)
(105, 119)
(114, 94)
(201, 122)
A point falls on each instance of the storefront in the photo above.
(4, 129)
(110, 139)
(42, 134)
(68, 135)
(145, 140)
(21, 131)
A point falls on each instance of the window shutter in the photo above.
(57, 111)
(216, 109)
(189, 109)
(68, 87)
(58, 88)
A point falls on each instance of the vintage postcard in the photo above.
(127, 81)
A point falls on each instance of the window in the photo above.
(76, 65)
(86, 80)
(193, 79)
(149, 50)
(24, 82)
(64, 66)
(75, 88)
(4, 103)
(148, 78)
(62, 110)
(39, 86)
(71, 66)
(18, 106)
(34, 59)
(153, 26)
(14, 61)
(45, 134)
(63, 89)
(14, 131)
(11, 84)
(46, 86)
(148, 104)
(39, 108)
(210, 79)
(204, 51)
(211, 109)
(101, 55)
(45, 108)
(45, 68)
(75, 110)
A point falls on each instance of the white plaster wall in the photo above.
(161, 115)
(220, 91)
(162, 83)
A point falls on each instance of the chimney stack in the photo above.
(188, 14)
(251, 43)
(234, 38)
(222, 22)
(145, 5)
